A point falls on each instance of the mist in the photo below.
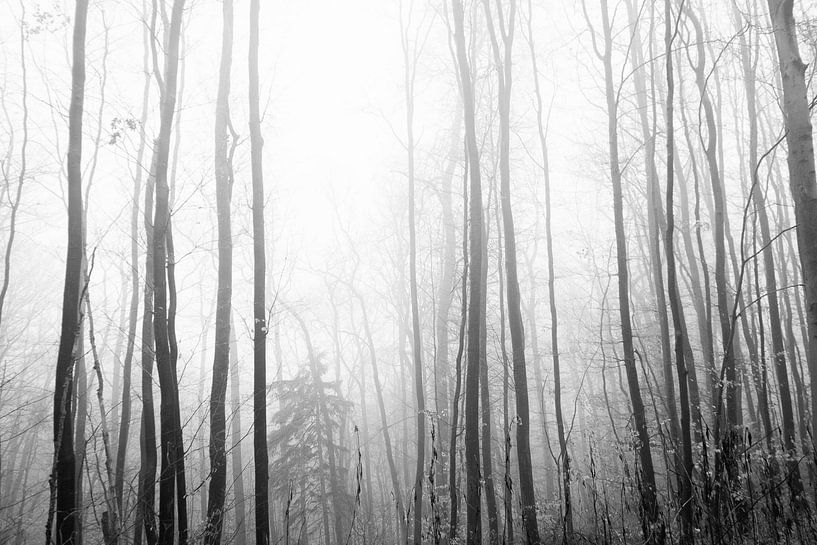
(423, 271)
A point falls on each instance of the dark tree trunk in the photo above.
(473, 477)
(485, 398)
(453, 493)
(63, 479)
(652, 525)
(172, 450)
(262, 526)
(221, 353)
(503, 61)
(506, 429)
(684, 464)
(803, 184)
(146, 496)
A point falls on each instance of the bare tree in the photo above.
(262, 525)
(802, 181)
(63, 480)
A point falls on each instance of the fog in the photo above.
(378, 272)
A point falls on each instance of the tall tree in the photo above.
(221, 353)
(800, 160)
(564, 457)
(262, 526)
(410, 57)
(473, 478)
(651, 525)
(133, 315)
(503, 59)
(63, 478)
(172, 449)
(683, 466)
(720, 227)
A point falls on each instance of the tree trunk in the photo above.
(485, 398)
(133, 317)
(507, 496)
(262, 526)
(684, 464)
(564, 457)
(235, 450)
(63, 481)
(473, 477)
(172, 450)
(445, 298)
(146, 496)
(221, 353)
(395, 481)
(453, 493)
(410, 65)
(800, 159)
(651, 525)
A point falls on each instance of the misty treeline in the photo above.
(570, 296)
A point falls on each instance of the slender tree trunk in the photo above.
(711, 151)
(235, 449)
(473, 477)
(110, 521)
(503, 61)
(262, 526)
(395, 481)
(171, 448)
(445, 297)
(564, 457)
(507, 496)
(146, 497)
(410, 65)
(63, 481)
(485, 398)
(21, 177)
(133, 316)
(684, 464)
(453, 493)
(654, 216)
(651, 524)
(221, 353)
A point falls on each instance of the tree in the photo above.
(410, 67)
(172, 448)
(303, 432)
(800, 161)
(652, 527)
(564, 456)
(262, 527)
(221, 354)
(63, 483)
(684, 465)
(473, 478)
